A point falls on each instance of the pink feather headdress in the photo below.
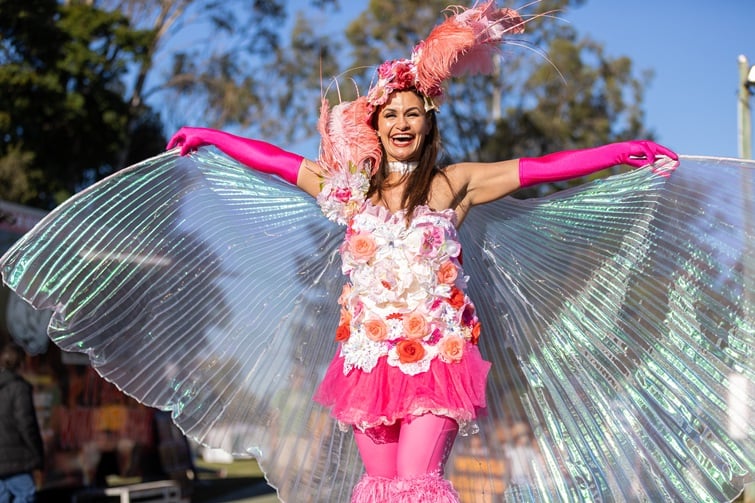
(464, 44)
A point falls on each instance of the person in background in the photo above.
(20, 439)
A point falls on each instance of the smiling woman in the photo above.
(593, 306)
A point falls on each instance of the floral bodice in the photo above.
(405, 295)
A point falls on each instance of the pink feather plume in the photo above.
(346, 136)
(465, 43)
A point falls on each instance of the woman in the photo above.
(407, 376)
(408, 373)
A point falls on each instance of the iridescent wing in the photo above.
(619, 318)
(200, 287)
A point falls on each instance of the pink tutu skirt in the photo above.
(385, 395)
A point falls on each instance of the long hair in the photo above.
(419, 181)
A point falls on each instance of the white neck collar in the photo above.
(402, 167)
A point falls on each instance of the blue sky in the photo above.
(692, 47)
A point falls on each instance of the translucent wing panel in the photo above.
(619, 318)
(199, 286)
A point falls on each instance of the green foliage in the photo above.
(227, 64)
(62, 113)
(578, 98)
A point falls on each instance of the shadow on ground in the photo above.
(224, 490)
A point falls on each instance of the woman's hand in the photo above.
(191, 138)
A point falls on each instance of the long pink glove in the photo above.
(255, 154)
(575, 163)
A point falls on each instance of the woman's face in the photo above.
(402, 126)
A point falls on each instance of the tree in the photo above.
(223, 64)
(62, 112)
(86, 85)
(82, 85)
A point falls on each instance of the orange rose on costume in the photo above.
(342, 333)
(375, 330)
(410, 351)
(447, 273)
(457, 298)
(345, 292)
(451, 348)
(476, 333)
(415, 326)
(361, 247)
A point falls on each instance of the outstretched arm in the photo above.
(487, 182)
(575, 163)
(255, 154)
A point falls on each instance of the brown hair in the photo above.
(420, 180)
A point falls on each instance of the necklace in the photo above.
(402, 167)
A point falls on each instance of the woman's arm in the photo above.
(255, 154)
(486, 182)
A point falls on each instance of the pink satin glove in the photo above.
(575, 163)
(255, 154)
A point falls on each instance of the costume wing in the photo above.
(618, 317)
(620, 321)
(203, 288)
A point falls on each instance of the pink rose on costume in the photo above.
(375, 330)
(432, 240)
(362, 247)
(415, 326)
(447, 273)
(451, 348)
(342, 194)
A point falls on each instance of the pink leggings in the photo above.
(412, 447)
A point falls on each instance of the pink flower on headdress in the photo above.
(394, 75)
(405, 75)
(342, 194)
